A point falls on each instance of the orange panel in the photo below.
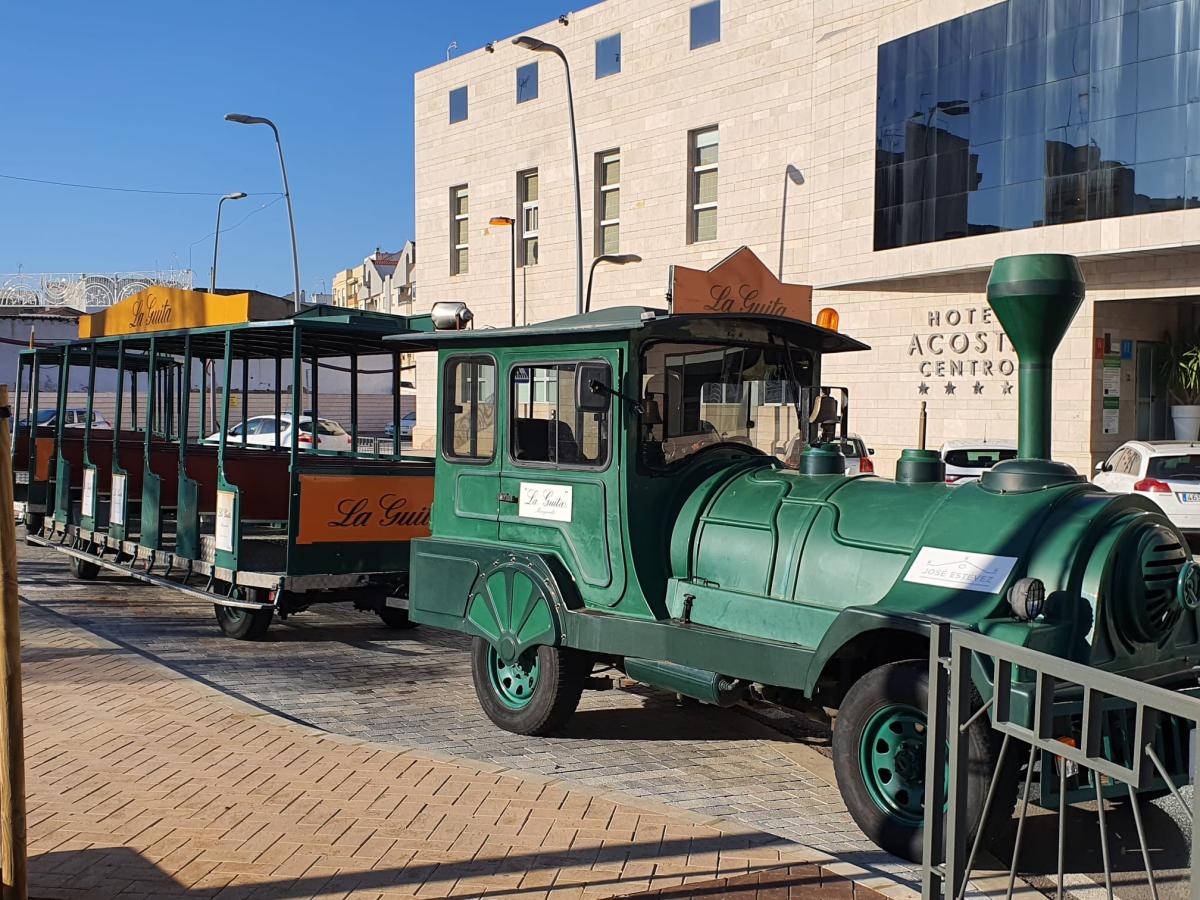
(338, 508)
(45, 451)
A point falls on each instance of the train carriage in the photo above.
(270, 512)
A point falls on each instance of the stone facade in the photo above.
(786, 84)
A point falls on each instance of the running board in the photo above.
(148, 577)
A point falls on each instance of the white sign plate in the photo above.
(224, 523)
(88, 507)
(116, 513)
(960, 569)
(545, 501)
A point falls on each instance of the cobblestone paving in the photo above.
(344, 672)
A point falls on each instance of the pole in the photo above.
(287, 196)
(212, 281)
(578, 201)
(782, 223)
(512, 276)
(922, 421)
(12, 727)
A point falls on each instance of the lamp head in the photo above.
(532, 43)
(243, 119)
(621, 259)
(236, 195)
(794, 174)
(502, 221)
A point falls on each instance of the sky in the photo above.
(132, 94)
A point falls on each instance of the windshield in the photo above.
(698, 395)
(45, 416)
(981, 458)
(1174, 468)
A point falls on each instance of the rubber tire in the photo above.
(34, 524)
(250, 626)
(84, 570)
(562, 672)
(908, 683)
(394, 617)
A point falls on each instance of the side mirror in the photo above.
(1102, 466)
(870, 451)
(593, 387)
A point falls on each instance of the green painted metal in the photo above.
(920, 467)
(892, 762)
(509, 609)
(700, 684)
(1035, 297)
(150, 534)
(513, 680)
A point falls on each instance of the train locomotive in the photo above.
(599, 498)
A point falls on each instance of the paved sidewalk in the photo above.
(145, 783)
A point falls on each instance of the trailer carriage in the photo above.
(259, 525)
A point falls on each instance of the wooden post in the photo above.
(921, 422)
(12, 729)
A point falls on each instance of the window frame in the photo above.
(525, 206)
(603, 189)
(446, 416)
(620, 48)
(692, 45)
(536, 86)
(466, 104)
(695, 170)
(512, 431)
(456, 266)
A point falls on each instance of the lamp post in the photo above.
(531, 43)
(212, 282)
(510, 222)
(242, 119)
(791, 175)
(617, 259)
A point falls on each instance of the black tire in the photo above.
(34, 522)
(554, 697)
(870, 702)
(84, 570)
(396, 618)
(243, 624)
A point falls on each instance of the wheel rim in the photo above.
(232, 614)
(514, 682)
(892, 758)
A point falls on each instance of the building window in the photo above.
(527, 193)
(608, 55)
(527, 82)
(608, 201)
(1031, 113)
(458, 105)
(706, 24)
(458, 230)
(703, 153)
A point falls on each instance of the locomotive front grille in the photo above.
(1160, 558)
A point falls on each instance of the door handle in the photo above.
(506, 498)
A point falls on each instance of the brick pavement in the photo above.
(345, 673)
(146, 783)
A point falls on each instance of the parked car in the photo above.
(74, 417)
(260, 431)
(407, 421)
(966, 460)
(858, 456)
(1167, 472)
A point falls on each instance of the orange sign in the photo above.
(738, 285)
(340, 508)
(43, 449)
(161, 308)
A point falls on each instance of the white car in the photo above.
(858, 456)
(260, 431)
(1167, 472)
(966, 460)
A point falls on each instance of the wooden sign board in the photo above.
(349, 508)
(738, 285)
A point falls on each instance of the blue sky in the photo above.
(133, 94)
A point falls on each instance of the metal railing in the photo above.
(374, 446)
(1101, 731)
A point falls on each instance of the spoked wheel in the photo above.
(243, 624)
(533, 693)
(84, 570)
(879, 744)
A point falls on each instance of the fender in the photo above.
(855, 622)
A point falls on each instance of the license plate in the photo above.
(1188, 496)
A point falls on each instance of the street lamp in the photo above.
(510, 222)
(212, 283)
(242, 119)
(791, 175)
(531, 43)
(617, 259)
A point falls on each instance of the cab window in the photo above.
(469, 413)
(547, 428)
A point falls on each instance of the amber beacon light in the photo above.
(828, 318)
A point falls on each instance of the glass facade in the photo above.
(1037, 112)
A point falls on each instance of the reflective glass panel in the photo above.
(608, 55)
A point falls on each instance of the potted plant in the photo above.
(1182, 371)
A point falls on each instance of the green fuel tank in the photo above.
(1032, 553)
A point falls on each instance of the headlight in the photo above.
(1027, 598)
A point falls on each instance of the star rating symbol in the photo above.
(978, 388)
(1007, 389)
(949, 387)
(922, 389)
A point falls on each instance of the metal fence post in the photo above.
(933, 841)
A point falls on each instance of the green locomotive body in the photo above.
(599, 495)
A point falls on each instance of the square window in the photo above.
(1026, 64)
(1067, 151)
(1159, 185)
(1113, 92)
(1024, 159)
(1024, 205)
(950, 217)
(608, 55)
(1026, 20)
(1162, 30)
(706, 24)
(1067, 102)
(706, 225)
(1191, 197)
(1110, 192)
(1115, 42)
(1066, 199)
(987, 120)
(1025, 112)
(987, 29)
(458, 105)
(1068, 53)
(985, 211)
(1161, 82)
(1112, 142)
(986, 166)
(527, 82)
(1160, 133)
